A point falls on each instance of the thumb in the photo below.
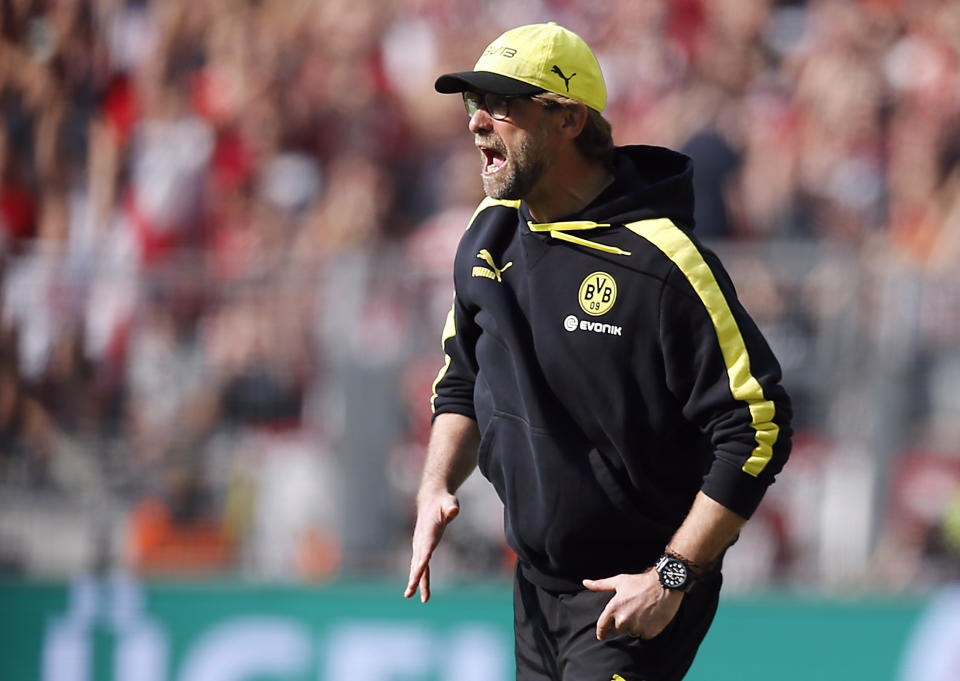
(608, 584)
(450, 509)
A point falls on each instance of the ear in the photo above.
(572, 120)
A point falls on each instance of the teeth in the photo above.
(493, 160)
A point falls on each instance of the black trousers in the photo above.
(555, 636)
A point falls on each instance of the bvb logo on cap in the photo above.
(534, 58)
(550, 57)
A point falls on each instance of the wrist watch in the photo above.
(675, 574)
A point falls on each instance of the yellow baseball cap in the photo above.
(531, 59)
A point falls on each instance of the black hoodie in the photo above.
(612, 372)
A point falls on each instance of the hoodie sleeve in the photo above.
(722, 370)
(453, 388)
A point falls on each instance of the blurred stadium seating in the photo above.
(226, 234)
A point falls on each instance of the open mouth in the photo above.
(493, 160)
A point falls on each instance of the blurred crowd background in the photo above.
(227, 229)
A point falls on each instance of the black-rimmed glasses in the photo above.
(498, 106)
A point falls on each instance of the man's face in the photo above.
(516, 150)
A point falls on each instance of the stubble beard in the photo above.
(522, 171)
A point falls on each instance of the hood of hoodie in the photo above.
(649, 182)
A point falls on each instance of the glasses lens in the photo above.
(497, 105)
(471, 102)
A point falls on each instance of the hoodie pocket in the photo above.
(558, 516)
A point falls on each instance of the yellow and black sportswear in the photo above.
(612, 372)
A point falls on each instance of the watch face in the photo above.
(673, 573)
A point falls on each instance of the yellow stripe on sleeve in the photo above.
(677, 246)
(449, 331)
(486, 203)
(450, 326)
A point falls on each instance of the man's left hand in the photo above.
(640, 606)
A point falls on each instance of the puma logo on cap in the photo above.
(566, 80)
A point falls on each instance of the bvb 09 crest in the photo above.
(598, 293)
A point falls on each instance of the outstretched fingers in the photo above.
(420, 569)
(419, 574)
(425, 584)
(426, 537)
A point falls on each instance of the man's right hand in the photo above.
(434, 512)
(451, 457)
